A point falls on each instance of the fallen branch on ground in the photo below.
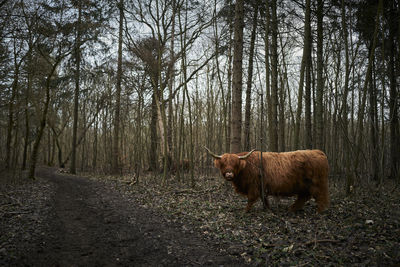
(320, 241)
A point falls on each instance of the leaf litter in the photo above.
(358, 230)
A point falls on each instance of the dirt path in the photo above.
(91, 225)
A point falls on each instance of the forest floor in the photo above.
(66, 220)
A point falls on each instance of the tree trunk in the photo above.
(246, 145)
(307, 97)
(236, 130)
(10, 126)
(373, 118)
(26, 108)
(320, 80)
(14, 88)
(42, 125)
(304, 63)
(95, 144)
(360, 117)
(76, 96)
(170, 130)
(117, 119)
(393, 103)
(153, 135)
(344, 116)
(281, 116)
(273, 124)
(267, 69)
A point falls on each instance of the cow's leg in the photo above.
(322, 199)
(321, 196)
(250, 203)
(300, 201)
(252, 197)
(267, 206)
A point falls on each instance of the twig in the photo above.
(321, 241)
(13, 199)
(304, 264)
(191, 191)
(269, 245)
(16, 212)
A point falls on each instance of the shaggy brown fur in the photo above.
(302, 173)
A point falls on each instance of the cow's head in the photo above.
(230, 165)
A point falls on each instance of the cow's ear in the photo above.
(242, 164)
(217, 163)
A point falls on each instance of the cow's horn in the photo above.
(247, 155)
(212, 154)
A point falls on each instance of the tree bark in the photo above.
(320, 79)
(42, 125)
(267, 69)
(10, 126)
(153, 135)
(344, 111)
(394, 101)
(117, 119)
(76, 93)
(273, 124)
(236, 130)
(373, 118)
(247, 117)
(360, 116)
(307, 97)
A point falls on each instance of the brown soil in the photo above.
(65, 220)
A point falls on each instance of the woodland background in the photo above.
(137, 86)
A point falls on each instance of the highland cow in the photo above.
(302, 173)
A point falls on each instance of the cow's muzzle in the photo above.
(229, 176)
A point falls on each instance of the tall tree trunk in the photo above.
(247, 117)
(296, 139)
(373, 118)
(304, 63)
(191, 146)
(267, 69)
(360, 117)
(344, 116)
(95, 144)
(225, 94)
(153, 135)
(117, 119)
(236, 130)
(170, 131)
(394, 99)
(76, 93)
(10, 125)
(281, 113)
(287, 90)
(14, 88)
(273, 124)
(307, 97)
(42, 125)
(320, 80)
(26, 108)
